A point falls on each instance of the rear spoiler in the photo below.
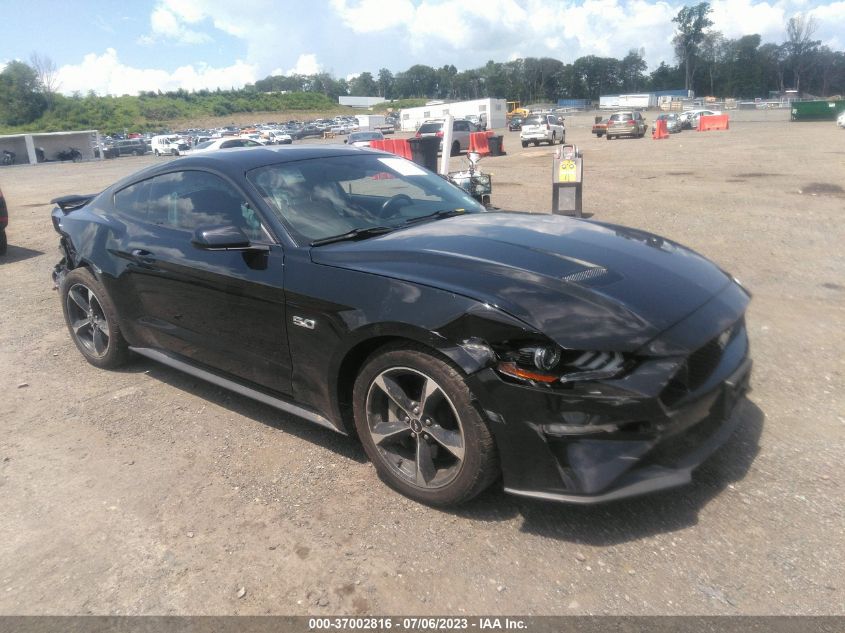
(73, 202)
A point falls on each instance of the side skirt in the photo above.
(277, 403)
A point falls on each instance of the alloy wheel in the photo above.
(87, 319)
(415, 427)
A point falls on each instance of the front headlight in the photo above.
(550, 364)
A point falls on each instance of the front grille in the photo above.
(698, 366)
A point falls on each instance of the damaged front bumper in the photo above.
(606, 441)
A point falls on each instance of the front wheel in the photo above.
(4, 244)
(415, 416)
(456, 148)
(525, 143)
(92, 320)
(554, 138)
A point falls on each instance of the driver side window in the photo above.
(187, 200)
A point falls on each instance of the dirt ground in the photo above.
(148, 492)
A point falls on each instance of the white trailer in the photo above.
(492, 111)
(373, 123)
(638, 101)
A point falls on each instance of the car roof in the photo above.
(235, 161)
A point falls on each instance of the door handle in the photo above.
(145, 257)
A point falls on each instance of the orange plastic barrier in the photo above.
(478, 143)
(659, 130)
(401, 147)
(716, 122)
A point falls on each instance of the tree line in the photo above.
(705, 62)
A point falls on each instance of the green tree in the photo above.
(385, 83)
(21, 97)
(632, 71)
(364, 86)
(692, 23)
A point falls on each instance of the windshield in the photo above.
(365, 136)
(430, 128)
(204, 144)
(324, 197)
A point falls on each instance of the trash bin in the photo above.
(495, 145)
(424, 151)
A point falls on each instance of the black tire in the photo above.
(536, 143)
(156, 152)
(138, 152)
(452, 414)
(456, 149)
(4, 244)
(525, 143)
(554, 138)
(608, 136)
(103, 347)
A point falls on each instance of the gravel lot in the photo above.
(148, 492)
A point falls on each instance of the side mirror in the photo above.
(220, 238)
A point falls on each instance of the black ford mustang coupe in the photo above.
(578, 361)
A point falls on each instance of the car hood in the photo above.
(580, 283)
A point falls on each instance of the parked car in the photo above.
(599, 127)
(130, 146)
(515, 124)
(169, 145)
(542, 128)
(461, 129)
(575, 361)
(689, 118)
(673, 122)
(277, 137)
(625, 123)
(4, 222)
(362, 139)
(307, 130)
(225, 142)
(693, 119)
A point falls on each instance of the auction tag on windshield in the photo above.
(567, 171)
(403, 167)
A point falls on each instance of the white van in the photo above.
(168, 145)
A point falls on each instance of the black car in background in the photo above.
(515, 124)
(129, 147)
(576, 360)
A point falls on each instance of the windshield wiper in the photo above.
(445, 213)
(354, 234)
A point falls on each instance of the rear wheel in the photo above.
(415, 417)
(554, 138)
(456, 148)
(608, 136)
(3, 242)
(92, 321)
(525, 143)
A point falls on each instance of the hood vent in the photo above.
(586, 275)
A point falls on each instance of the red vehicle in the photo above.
(600, 127)
(4, 220)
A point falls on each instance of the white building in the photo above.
(492, 110)
(23, 145)
(360, 102)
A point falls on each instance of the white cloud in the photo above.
(306, 64)
(106, 74)
(167, 25)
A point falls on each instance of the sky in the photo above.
(123, 47)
